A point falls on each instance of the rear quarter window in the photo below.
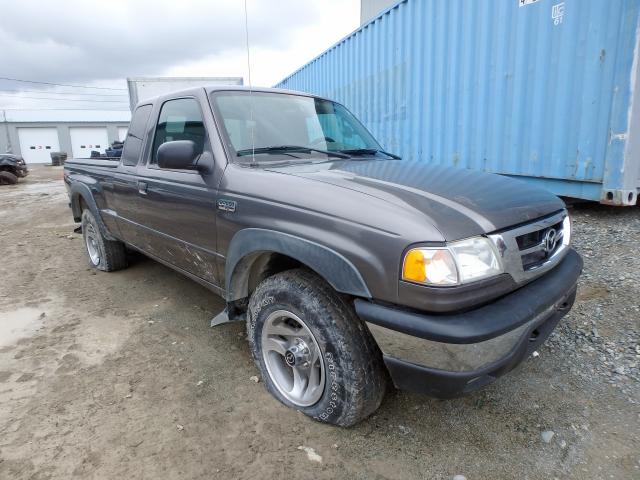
(135, 135)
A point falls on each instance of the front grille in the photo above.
(524, 252)
(535, 248)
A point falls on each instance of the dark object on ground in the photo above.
(115, 150)
(347, 263)
(58, 158)
(12, 167)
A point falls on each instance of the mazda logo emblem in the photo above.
(290, 358)
(549, 241)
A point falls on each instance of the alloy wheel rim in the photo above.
(293, 358)
(92, 247)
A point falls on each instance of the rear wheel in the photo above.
(314, 353)
(8, 178)
(105, 255)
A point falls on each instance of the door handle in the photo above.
(142, 188)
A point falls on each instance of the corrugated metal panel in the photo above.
(61, 116)
(541, 90)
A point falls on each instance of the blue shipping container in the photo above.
(545, 90)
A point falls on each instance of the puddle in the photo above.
(40, 188)
(18, 324)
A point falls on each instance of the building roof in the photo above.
(101, 116)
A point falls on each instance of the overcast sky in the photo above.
(102, 42)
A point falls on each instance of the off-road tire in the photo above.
(355, 378)
(8, 178)
(112, 255)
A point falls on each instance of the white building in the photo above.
(34, 134)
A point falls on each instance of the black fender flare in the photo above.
(248, 244)
(80, 190)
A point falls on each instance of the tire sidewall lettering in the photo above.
(332, 387)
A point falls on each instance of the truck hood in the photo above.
(459, 203)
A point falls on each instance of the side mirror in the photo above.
(177, 155)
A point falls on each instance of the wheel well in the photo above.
(78, 205)
(252, 270)
(267, 264)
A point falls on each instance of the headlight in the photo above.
(431, 266)
(459, 262)
(476, 259)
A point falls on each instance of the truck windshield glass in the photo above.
(265, 121)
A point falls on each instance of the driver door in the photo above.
(176, 209)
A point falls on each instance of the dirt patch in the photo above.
(593, 292)
(123, 377)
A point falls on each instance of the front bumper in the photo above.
(447, 355)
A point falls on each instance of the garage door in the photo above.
(122, 133)
(36, 144)
(84, 140)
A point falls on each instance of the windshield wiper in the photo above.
(370, 151)
(289, 148)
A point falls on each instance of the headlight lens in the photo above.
(476, 259)
(431, 266)
(460, 262)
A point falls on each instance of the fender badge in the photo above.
(226, 205)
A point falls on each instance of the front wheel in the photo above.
(314, 353)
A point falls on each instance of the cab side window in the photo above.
(180, 119)
(135, 135)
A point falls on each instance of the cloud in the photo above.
(103, 42)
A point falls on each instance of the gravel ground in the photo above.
(119, 375)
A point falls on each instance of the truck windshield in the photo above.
(290, 126)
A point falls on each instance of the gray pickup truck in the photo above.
(350, 266)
